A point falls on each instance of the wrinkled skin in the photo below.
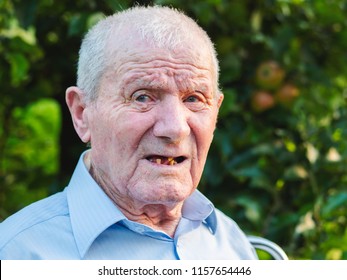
(150, 130)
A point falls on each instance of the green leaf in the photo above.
(229, 103)
(19, 67)
(334, 202)
(77, 24)
(252, 207)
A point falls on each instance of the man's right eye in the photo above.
(143, 100)
(142, 96)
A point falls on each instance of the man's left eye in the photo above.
(143, 98)
(195, 102)
(192, 99)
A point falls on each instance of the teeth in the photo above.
(171, 161)
(165, 161)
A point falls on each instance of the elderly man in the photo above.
(146, 101)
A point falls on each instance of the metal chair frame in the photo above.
(268, 246)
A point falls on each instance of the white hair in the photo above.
(163, 27)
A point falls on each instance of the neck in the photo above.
(157, 216)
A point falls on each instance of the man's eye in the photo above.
(143, 98)
(192, 99)
(195, 102)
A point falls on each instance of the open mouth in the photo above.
(165, 160)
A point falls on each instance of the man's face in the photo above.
(152, 124)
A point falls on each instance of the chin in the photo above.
(167, 195)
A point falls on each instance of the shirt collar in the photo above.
(92, 211)
(198, 208)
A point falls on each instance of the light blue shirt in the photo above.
(81, 222)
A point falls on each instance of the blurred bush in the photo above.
(278, 165)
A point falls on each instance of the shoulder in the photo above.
(229, 231)
(31, 216)
(227, 224)
(224, 220)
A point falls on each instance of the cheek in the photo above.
(101, 134)
(116, 139)
(203, 133)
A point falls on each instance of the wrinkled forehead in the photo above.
(130, 48)
(163, 74)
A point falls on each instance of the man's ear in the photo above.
(220, 100)
(75, 102)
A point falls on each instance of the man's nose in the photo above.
(172, 120)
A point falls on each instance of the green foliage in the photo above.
(30, 159)
(280, 172)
